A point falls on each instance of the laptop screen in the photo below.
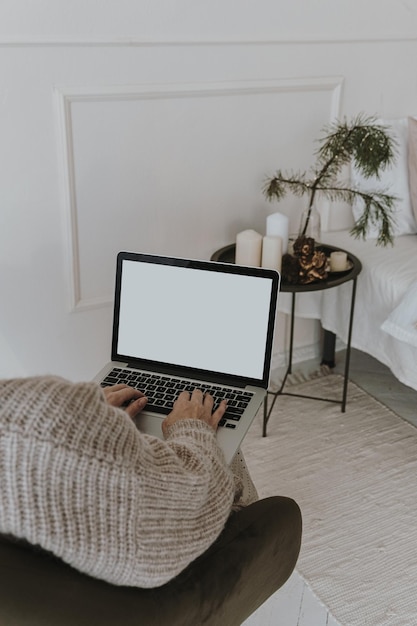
(194, 314)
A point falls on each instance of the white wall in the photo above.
(151, 126)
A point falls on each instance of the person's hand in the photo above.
(197, 406)
(132, 400)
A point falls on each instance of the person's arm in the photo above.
(187, 500)
(79, 480)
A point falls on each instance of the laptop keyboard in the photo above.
(162, 391)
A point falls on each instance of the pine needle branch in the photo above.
(371, 149)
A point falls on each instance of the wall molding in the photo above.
(207, 89)
(72, 42)
(66, 96)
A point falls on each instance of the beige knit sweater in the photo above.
(78, 479)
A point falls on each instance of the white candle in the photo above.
(248, 248)
(277, 225)
(272, 252)
(338, 261)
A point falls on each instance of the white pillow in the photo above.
(393, 180)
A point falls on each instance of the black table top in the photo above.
(227, 255)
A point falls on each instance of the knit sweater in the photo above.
(78, 479)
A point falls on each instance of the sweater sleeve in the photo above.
(80, 480)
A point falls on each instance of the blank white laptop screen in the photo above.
(177, 315)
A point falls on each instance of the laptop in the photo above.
(180, 324)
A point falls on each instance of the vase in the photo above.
(310, 223)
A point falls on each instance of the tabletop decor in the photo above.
(369, 147)
(249, 248)
(277, 225)
(306, 264)
(338, 261)
(272, 252)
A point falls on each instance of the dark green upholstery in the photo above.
(252, 558)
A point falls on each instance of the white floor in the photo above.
(292, 605)
(295, 604)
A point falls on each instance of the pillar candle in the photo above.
(248, 248)
(277, 225)
(338, 261)
(272, 252)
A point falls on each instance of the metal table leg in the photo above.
(275, 394)
(347, 359)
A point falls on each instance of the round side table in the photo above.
(334, 279)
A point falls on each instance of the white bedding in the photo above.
(386, 303)
(402, 322)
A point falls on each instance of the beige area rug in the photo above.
(354, 476)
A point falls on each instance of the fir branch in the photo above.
(279, 185)
(370, 148)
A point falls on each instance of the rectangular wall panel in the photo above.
(173, 169)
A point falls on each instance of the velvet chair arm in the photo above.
(252, 558)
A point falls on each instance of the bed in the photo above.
(385, 321)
